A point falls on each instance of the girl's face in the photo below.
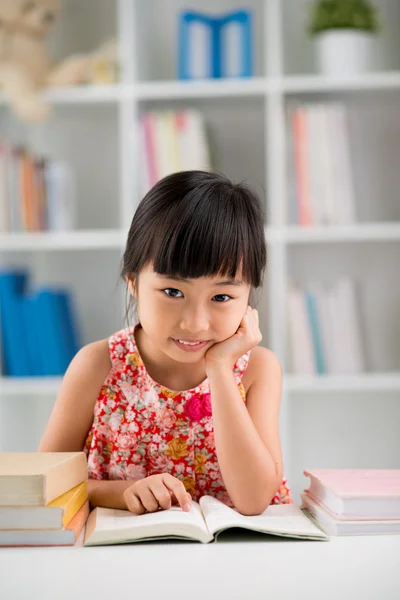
(207, 309)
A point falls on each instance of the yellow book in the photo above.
(70, 502)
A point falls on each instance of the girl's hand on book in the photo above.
(247, 336)
(156, 491)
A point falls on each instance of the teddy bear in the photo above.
(24, 62)
(25, 66)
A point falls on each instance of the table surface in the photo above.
(240, 565)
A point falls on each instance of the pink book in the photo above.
(352, 494)
(300, 137)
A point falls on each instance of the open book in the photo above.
(203, 523)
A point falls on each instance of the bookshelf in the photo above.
(95, 128)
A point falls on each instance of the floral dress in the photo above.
(141, 428)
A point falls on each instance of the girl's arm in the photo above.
(72, 417)
(72, 414)
(247, 434)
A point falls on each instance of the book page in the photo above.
(113, 525)
(109, 519)
(277, 518)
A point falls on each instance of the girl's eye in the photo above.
(175, 290)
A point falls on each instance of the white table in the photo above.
(241, 565)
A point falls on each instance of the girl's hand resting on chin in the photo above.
(156, 491)
(247, 336)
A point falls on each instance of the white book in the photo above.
(344, 173)
(144, 158)
(301, 346)
(192, 141)
(333, 526)
(163, 162)
(347, 300)
(4, 196)
(201, 43)
(203, 523)
(315, 163)
(171, 141)
(327, 149)
(61, 196)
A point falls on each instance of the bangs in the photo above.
(205, 239)
(197, 224)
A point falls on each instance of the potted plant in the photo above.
(344, 33)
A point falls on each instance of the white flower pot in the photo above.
(345, 52)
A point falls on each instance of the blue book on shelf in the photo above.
(68, 322)
(235, 49)
(15, 361)
(198, 46)
(312, 311)
(215, 46)
(35, 340)
(47, 314)
(29, 325)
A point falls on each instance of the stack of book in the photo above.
(43, 498)
(170, 142)
(38, 328)
(354, 501)
(36, 193)
(325, 333)
(321, 183)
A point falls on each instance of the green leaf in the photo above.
(343, 14)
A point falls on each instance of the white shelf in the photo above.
(364, 382)
(219, 88)
(369, 232)
(29, 386)
(69, 240)
(318, 83)
(116, 238)
(82, 94)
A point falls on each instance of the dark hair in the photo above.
(198, 224)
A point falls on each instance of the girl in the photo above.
(185, 402)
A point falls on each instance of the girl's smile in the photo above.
(191, 347)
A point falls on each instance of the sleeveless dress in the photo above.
(141, 428)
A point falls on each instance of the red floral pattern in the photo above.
(141, 428)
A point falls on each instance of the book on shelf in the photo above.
(354, 501)
(39, 332)
(206, 520)
(171, 142)
(36, 194)
(43, 498)
(324, 329)
(321, 180)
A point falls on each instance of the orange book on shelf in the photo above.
(34, 193)
(299, 129)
